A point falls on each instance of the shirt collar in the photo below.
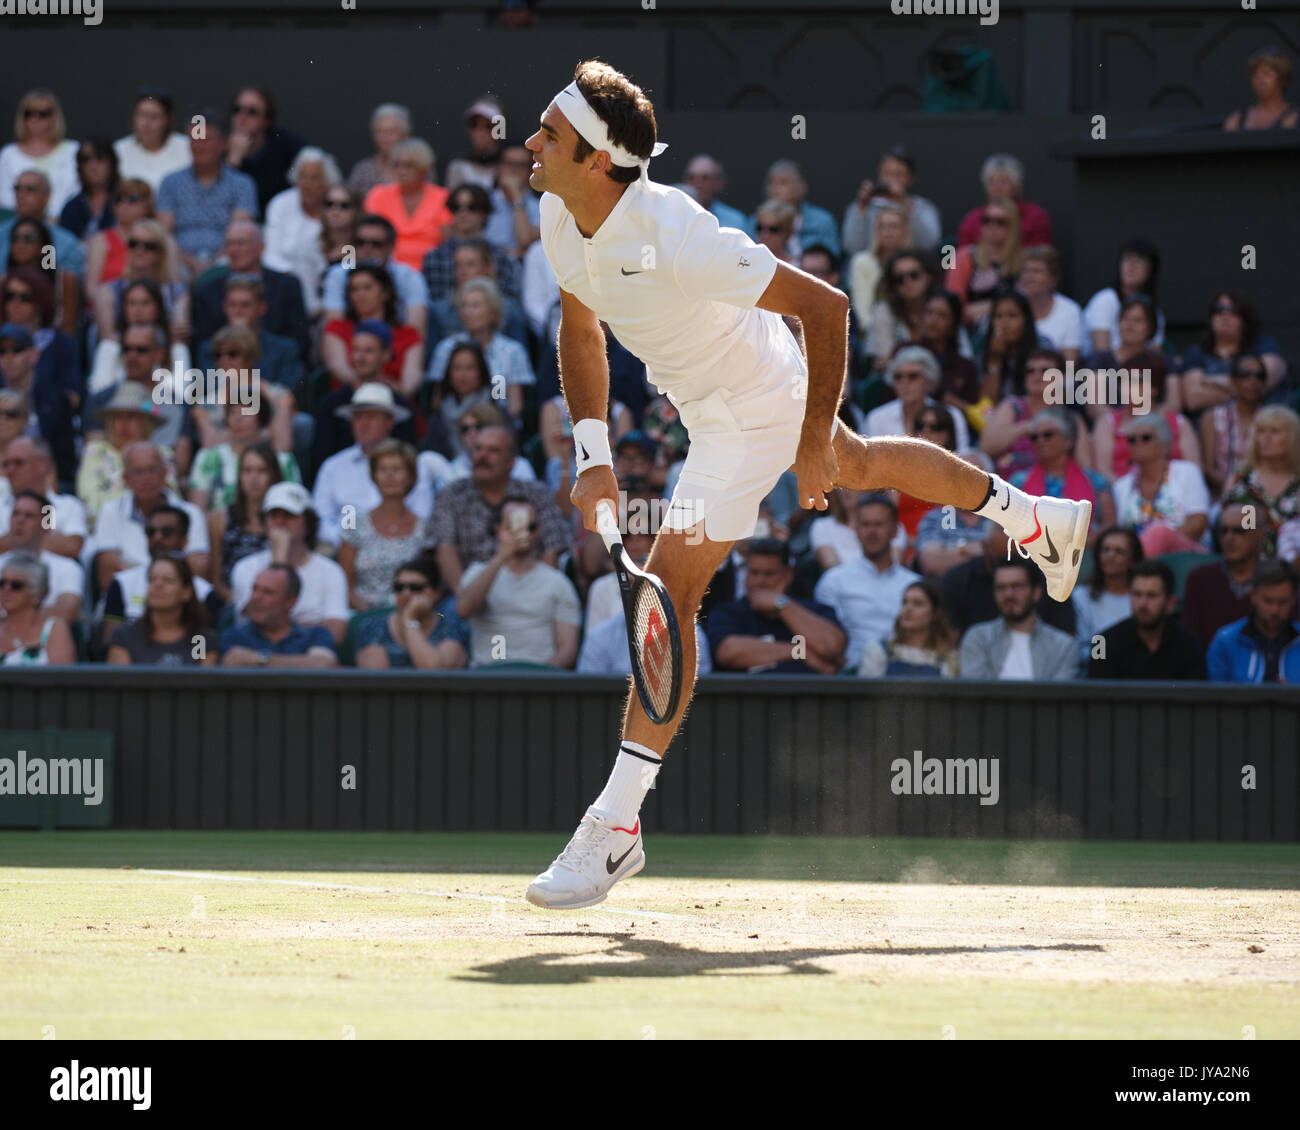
(609, 226)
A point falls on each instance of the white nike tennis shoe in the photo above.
(1057, 546)
(598, 856)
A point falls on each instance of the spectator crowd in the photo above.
(397, 493)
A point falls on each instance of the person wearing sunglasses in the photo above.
(1218, 592)
(338, 231)
(32, 189)
(295, 219)
(774, 222)
(40, 143)
(28, 532)
(1227, 430)
(1056, 471)
(259, 147)
(423, 631)
(913, 374)
(386, 533)
(470, 207)
(28, 240)
(1232, 328)
(785, 182)
(371, 297)
(1111, 452)
(148, 259)
(375, 241)
(891, 233)
(91, 210)
(153, 149)
(1002, 177)
(990, 265)
(106, 249)
(29, 637)
(896, 318)
(1164, 499)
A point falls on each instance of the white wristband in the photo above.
(591, 444)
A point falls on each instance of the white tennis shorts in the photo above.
(741, 444)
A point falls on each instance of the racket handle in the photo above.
(607, 525)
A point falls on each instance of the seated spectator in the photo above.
(28, 466)
(1150, 644)
(291, 528)
(238, 531)
(242, 251)
(40, 142)
(706, 177)
(1162, 498)
(515, 223)
(372, 299)
(816, 260)
(1017, 645)
(152, 149)
(941, 332)
(146, 261)
(1058, 320)
(270, 637)
(371, 354)
(142, 303)
(913, 373)
(338, 234)
(865, 593)
(478, 163)
(773, 223)
(833, 537)
(416, 208)
(985, 268)
(198, 204)
(470, 206)
(345, 487)
(245, 307)
(171, 624)
(922, 645)
(968, 590)
(28, 519)
(767, 630)
(423, 630)
(1137, 275)
(785, 182)
(890, 233)
(605, 652)
(214, 478)
(1105, 601)
(27, 241)
(1005, 437)
(519, 608)
(376, 238)
(106, 249)
(937, 425)
(1111, 451)
(129, 417)
(947, 537)
(1003, 178)
(29, 636)
(1004, 345)
(377, 540)
(41, 363)
(120, 540)
(294, 221)
(1270, 74)
(891, 188)
(465, 381)
(168, 529)
(1261, 647)
(481, 311)
(1218, 592)
(1055, 473)
(1233, 329)
(556, 430)
(32, 189)
(389, 124)
(144, 356)
(471, 421)
(474, 259)
(91, 210)
(896, 318)
(15, 412)
(1227, 430)
(1137, 329)
(260, 147)
(1268, 477)
(465, 513)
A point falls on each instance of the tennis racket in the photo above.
(653, 638)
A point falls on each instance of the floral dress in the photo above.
(1277, 511)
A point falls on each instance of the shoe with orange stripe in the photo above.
(598, 856)
(1057, 544)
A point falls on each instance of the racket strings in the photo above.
(653, 650)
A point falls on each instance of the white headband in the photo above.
(595, 133)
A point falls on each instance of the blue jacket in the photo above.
(1235, 657)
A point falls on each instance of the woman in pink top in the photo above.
(416, 208)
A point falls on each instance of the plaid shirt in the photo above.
(462, 518)
(439, 271)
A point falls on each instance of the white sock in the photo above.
(1011, 508)
(635, 769)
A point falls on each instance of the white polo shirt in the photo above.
(678, 291)
(65, 576)
(69, 512)
(121, 527)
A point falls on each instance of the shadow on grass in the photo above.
(630, 956)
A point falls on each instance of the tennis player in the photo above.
(702, 306)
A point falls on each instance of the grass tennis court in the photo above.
(382, 935)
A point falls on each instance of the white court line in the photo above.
(656, 914)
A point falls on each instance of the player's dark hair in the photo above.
(877, 498)
(1275, 571)
(1155, 568)
(1136, 554)
(623, 107)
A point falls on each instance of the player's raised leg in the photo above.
(1052, 532)
(607, 846)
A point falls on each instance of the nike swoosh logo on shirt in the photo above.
(627, 272)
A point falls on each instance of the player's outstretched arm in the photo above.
(824, 312)
(584, 380)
